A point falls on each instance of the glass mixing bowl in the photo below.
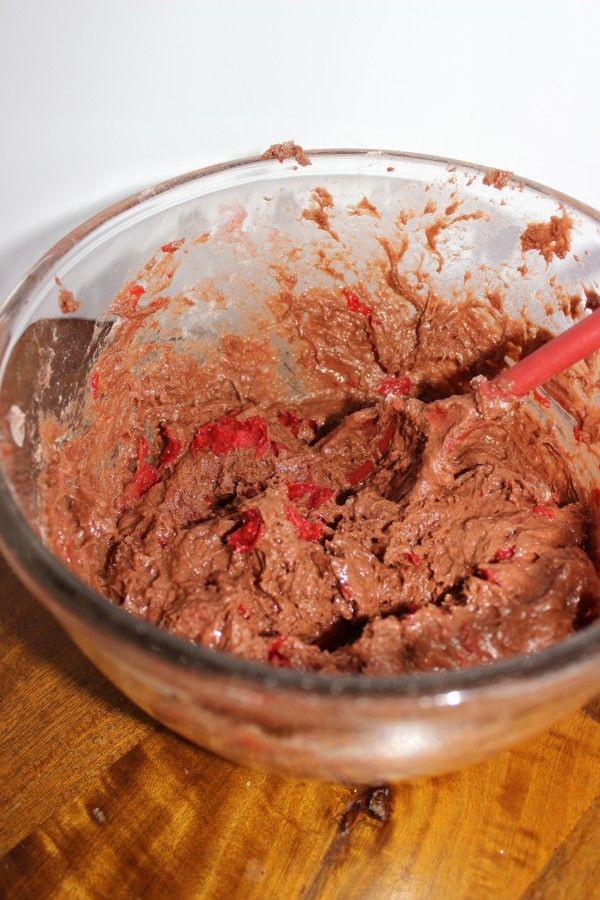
(351, 728)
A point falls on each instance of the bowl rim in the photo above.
(44, 573)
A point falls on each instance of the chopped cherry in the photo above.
(299, 489)
(487, 575)
(320, 496)
(172, 246)
(227, 434)
(544, 512)
(541, 398)
(402, 385)
(503, 553)
(315, 495)
(244, 538)
(386, 439)
(360, 472)
(135, 292)
(290, 419)
(413, 558)
(144, 477)
(274, 654)
(354, 303)
(306, 531)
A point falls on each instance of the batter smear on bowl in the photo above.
(380, 524)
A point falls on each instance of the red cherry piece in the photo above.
(314, 494)
(386, 439)
(290, 419)
(360, 472)
(354, 303)
(413, 558)
(172, 246)
(227, 434)
(306, 531)
(400, 386)
(544, 512)
(244, 538)
(319, 496)
(135, 292)
(503, 553)
(274, 654)
(144, 477)
(299, 489)
(541, 398)
(487, 575)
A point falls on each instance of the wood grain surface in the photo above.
(99, 801)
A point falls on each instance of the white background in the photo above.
(100, 98)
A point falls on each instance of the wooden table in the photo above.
(99, 801)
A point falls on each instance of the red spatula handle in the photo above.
(557, 355)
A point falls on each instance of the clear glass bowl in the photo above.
(350, 728)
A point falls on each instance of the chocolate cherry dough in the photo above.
(382, 523)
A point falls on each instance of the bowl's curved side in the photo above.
(337, 738)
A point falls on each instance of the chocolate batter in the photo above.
(66, 300)
(550, 239)
(287, 150)
(497, 178)
(378, 526)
